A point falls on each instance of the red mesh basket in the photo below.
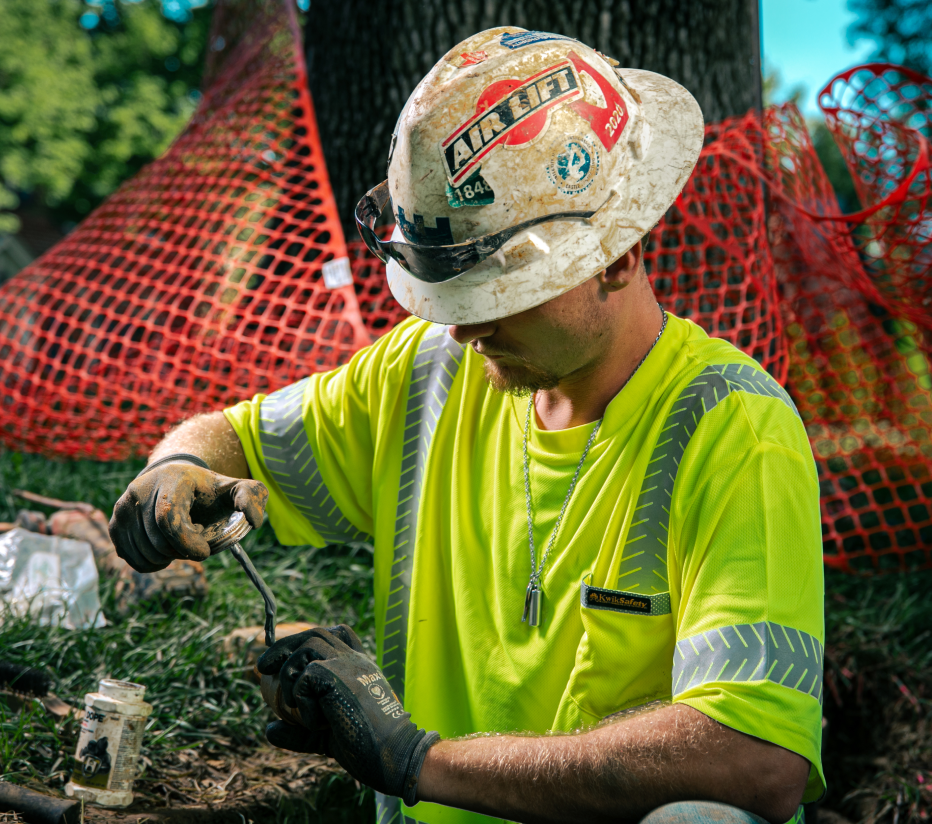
(218, 271)
(881, 118)
(856, 297)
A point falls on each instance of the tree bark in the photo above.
(365, 58)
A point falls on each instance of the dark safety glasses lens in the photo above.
(367, 212)
(433, 264)
(437, 264)
(371, 239)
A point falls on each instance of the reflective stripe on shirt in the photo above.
(289, 459)
(763, 651)
(643, 567)
(438, 357)
(435, 365)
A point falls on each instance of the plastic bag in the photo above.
(52, 579)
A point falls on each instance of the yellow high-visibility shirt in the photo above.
(688, 566)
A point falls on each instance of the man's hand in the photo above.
(328, 677)
(313, 734)
(162, 514)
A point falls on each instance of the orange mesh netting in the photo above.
(220, 271)
(217, 272)
(709, 259)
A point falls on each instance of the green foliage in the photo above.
(773, 89)
(80, 111)
(902, 30)
(8, 200)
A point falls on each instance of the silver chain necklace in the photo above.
(532, 599)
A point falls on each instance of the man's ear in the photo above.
(623, 271)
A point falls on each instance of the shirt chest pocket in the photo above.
(625, 658)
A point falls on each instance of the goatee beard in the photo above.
(519, 380)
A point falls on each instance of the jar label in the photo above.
(107, 751)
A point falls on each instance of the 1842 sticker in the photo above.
(474, 191)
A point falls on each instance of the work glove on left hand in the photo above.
(370, 734)
(162, 514)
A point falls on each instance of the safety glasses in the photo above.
(438, 263)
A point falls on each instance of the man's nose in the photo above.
(466, 333)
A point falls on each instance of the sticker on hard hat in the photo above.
(473, 58)
(573, 165)
(608, 121)
(510, 112)
(416, 232)
(519, 39)
(475, 191)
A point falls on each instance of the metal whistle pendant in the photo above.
(532, 605)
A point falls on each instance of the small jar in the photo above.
(108, 746)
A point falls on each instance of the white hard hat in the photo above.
(512, 130)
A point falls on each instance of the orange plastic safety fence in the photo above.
(709, 259)
(217, 272)
(221, 271)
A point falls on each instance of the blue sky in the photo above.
(806, 40)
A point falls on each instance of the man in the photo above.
(580, 504)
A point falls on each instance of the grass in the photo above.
(877, 748)
(200, 697)
(878, 696)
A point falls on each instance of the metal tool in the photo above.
(226, 534)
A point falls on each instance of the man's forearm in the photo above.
(619, 771)
(212, 439)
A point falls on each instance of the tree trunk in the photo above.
(365, 58)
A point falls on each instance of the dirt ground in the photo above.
(195, 790)
(268, 785)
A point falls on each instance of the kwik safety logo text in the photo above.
(508, 111)
(612, 599)
(382, 694)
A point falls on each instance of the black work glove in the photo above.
(313, 736)
(162, 514)
(370, 734)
